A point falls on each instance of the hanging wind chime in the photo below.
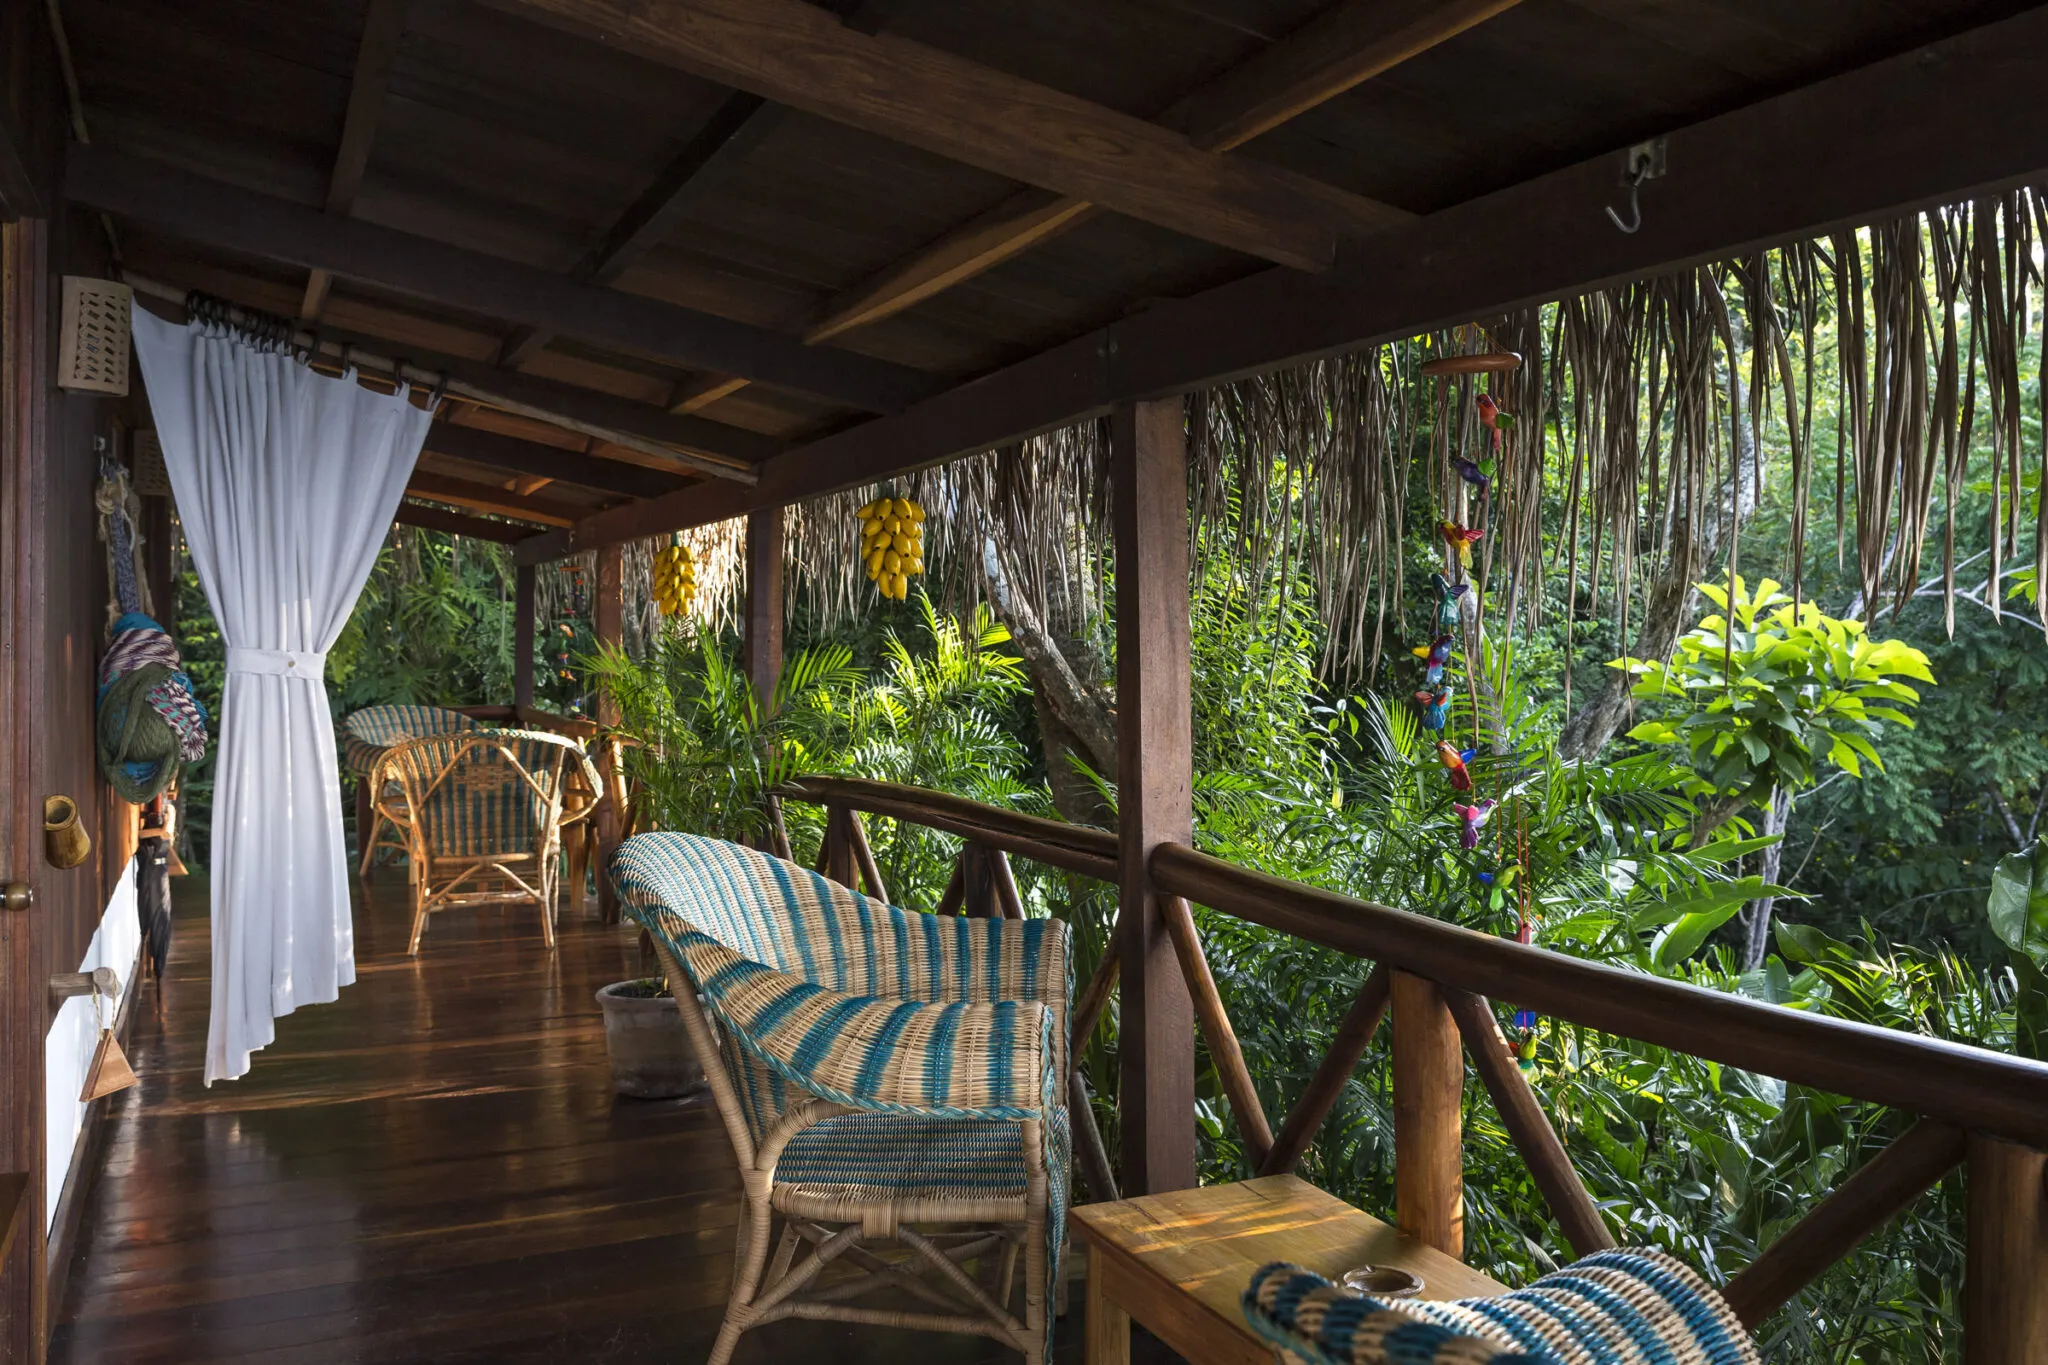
(892, 544)
(1461, 527)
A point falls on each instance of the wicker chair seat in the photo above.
(906, 1157)
(1625, 1307)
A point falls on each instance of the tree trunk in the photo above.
(1674, 594)
(1756, 919)
(1076, 721)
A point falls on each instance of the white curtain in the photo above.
(286, 482)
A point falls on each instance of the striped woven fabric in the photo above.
(849, 998)
(1627, 1307)
(367, 733)
(468, 797)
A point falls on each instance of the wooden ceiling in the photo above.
(762, 228)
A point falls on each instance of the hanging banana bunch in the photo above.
(892, 544)
(675, 578)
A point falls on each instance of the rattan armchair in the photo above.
(367, 735)
(890, 1082)
(482, 816)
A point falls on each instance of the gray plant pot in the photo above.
(651, 1056)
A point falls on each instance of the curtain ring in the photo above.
(440, 391)
(348, 358)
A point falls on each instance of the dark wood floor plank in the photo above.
(432, 1168)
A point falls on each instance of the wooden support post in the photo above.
(955, 893)
(1089, 1152)
(1094, 997)
(837, 855)
(2005, 1277)
(1008, 894)
(609, 625)
(764, 603)
(1429, 1091)
(778, 832)
(979, 896)
(1155, 755)
(864, 858)
(523, 612)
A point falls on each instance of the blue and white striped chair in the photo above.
(1627, 1307)
(367, 735)
(482, 814)
(885, 1077)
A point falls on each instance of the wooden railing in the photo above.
(1972, 1105)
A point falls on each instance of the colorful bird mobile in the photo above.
(1472, 474)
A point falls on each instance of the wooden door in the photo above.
(24, 337)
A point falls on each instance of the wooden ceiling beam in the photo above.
(456, 524)
(735, 127)
(383, 27)
(1945, 122)
(483, 497)
(1349, 43)
(726, 139)
(800, 55)
(517, 456)
(225, 216)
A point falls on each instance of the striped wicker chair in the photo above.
(887, 1077)
(1628, 1307)
(481, 814)
(367, 735)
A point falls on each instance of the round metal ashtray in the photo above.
(1383, 1282)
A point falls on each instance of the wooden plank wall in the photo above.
(55, 619)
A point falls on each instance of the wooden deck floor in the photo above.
(432, 1168)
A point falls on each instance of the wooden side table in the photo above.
(1179, 1263)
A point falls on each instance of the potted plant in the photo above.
(643, 1032)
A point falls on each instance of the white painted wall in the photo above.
(67, 1052)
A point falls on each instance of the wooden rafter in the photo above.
(1351, 42)
(383, 27)
(484, 497)
(222, 215)
(531, 458)
(800, 55)
(1944, 122)
(456, 524)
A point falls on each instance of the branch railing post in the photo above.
(1217, 1032)
(979, 897)
(1521, 1113)
(1354, 1035)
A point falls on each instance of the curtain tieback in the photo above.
(283, 663)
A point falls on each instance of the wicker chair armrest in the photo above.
(946, 1059)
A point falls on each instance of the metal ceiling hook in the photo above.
(1644, 161)
(1635, 209)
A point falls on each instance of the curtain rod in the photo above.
(304, 339)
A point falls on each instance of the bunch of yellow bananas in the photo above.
(892, 543)
(675, 579)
